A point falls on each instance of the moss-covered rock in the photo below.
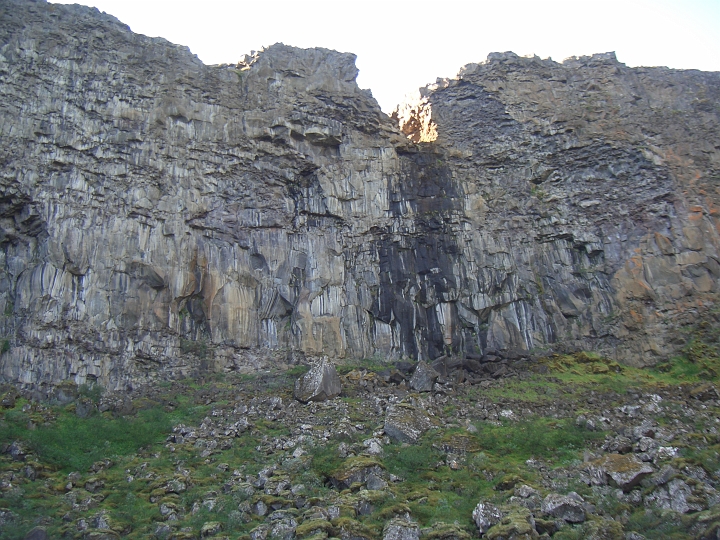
(518, 524)
(622, 470)
(313, 527)
(445, 531)
(350, 529)
(357, 470)
(603, 529)
(406, 423)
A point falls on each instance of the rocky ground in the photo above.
(574, 447)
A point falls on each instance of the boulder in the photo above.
(401, 529)
(423, 378)
(603, 529)
(569, 507)
(446, 531)
(358, 470)
(622, 471)
(38, 533)
(282, 525)
(319, 384)
(518, 524)
(9, 399)
(406, 423)
(210, 528)
(485, 516)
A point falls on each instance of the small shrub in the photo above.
(94, 392)
(325, 460)
(411, 461)
(197, 348)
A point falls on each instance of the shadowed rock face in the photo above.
(160, 217)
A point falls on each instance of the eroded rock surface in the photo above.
(162, 218)
(623, 471)
(406, 423)
(318, 384)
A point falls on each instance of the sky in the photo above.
(402, 45)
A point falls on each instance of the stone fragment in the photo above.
(677, 496)
(406, 423)
(84, 407)
(316, 526)
(319, 384)
(446, 531)
(603, 529)
(619, 445)
(401, 529)
(210, 528)
(681, 497)
(423, 378)
(282, 525)
(569, 507)
(17, 451)
(375, 482)
(525, 491)
(704, 392)
(175, 486)
(357, 470)
(646, 429)
(38, 533)
(163, 530)
(373, 446)
(485, 515)
(259, 508)
(622, 471)
(9, 399)
(260, 532)
(518, 524)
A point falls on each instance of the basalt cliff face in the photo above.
(160, 216)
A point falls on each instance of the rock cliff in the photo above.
(159, 216)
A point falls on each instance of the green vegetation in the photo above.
(91, 391)
(71, 443)
(123, 466)
(538, 192)
(559, 440)
(374, 363)
(198, 348)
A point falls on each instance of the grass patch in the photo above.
(375, 363)
(76, 443)
(657, 524)
(559, 440)
(435, 492)
(411, 462)
(70, 443)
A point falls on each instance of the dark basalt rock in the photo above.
(163, 218)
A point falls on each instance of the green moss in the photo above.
(653, 523)
(312, 527)
(515, 525)
(355, 463)
(443, 531)
(197, 348)
(344, 526)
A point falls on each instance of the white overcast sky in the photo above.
(402, 45)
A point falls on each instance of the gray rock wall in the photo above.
(159, 217)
